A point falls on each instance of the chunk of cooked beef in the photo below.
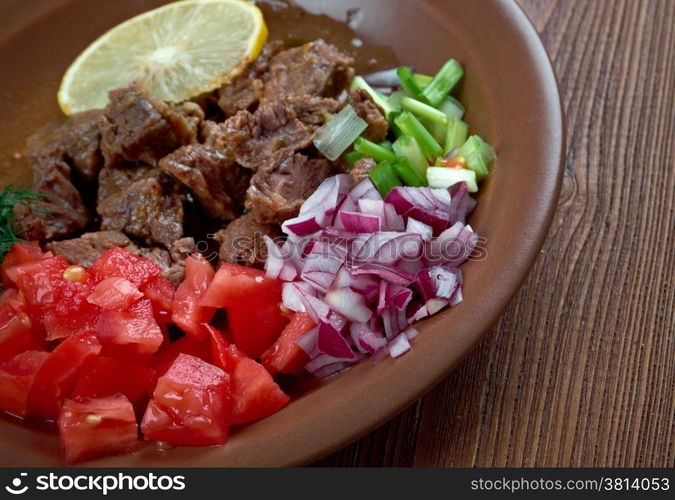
(261, 65)
(77, 142)
(148, 209)
(315, 111)
(361, 168)
(365, 107)
(254, 138)
(280, 187)
(245, 92)
(112, 181)
(242, 241)
(61, 214)
(242, 94)
(89, 247)
(178, 252)
(313, 69)
(144, 129)
(213, 134)
(218, 184)
(86, 249)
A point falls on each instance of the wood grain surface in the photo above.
(580, 370)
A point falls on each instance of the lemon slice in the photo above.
(175, 52)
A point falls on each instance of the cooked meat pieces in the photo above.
(87, 248)
(178, 252)
(361, 168)
(281, 186)
(313, 69)
(254, 138)
(149, 210)
(262, 63)
(218, 184)
(365, 107)
(245, 92)
(112, 181)
(315, 111)
(77, 142)
(242, 241)
(144, 129)
(62, 213)
(242, 94)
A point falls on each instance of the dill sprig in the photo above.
(9, 198)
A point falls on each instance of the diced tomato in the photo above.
(97, 427)
(38, 280)
(457, 162)
(133, 334)
(255, 325)
(102, 377)
(190, 405)
(187, 314)
(252, 302)
(12, 301)
(221, 355)
(120, 263)
(115, 294)
(170, 351)
(160, 291)
(59, 373)
(233, 283)
(20, 253)
(255, 395)
(285, 356)
(16, 377)
(71, 314)
(58, 303)
(16, 336)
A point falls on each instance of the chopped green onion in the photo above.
(422, 80)
(394, 100)
(388, 145)
(379, 99)
(458, 132)
(395, 128)
(408, 147)
(410, 125)
(375, 151)
(438, 131)
(479, 156)
(444, 177)
(443, 83)
(409, 174)
(354, 156)
(384, 178)
(333, 138)
(424, 111)
(452, 108)
(408, 81)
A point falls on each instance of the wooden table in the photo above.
(580, 370)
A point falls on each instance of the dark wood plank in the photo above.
(580, 371)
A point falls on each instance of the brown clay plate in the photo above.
(512, 100)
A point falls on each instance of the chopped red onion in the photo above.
(349, 303)
(399, 346)
(417, 227)
(332, 342)
(360, 223)
(364, 269)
